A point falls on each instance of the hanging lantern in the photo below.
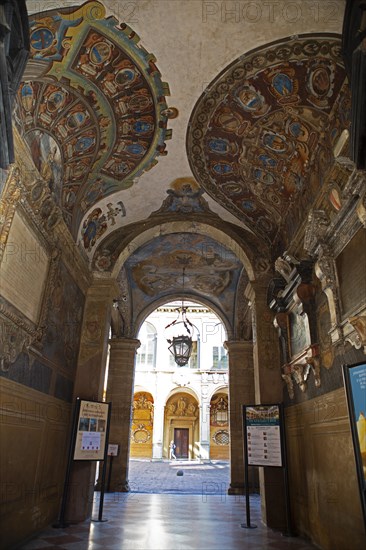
(181, 348)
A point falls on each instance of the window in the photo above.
(219, 357)
(147, 351)
(193, 360)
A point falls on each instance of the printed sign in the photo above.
(263, 435)
(91, 430)
(113, 449)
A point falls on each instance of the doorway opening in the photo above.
(181, 441)
(181, 403)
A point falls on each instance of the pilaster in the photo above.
(268, 389)
(120, 394)
(241, 392)
(89, 382)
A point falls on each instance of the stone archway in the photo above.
(181, 424)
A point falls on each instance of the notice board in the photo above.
(91, 430)
(263, 435)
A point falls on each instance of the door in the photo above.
(181, 439)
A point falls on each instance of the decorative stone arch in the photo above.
(222, 388)
(141, 318)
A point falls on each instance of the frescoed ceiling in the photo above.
(265, 126)
(97, 116)
(256, 106)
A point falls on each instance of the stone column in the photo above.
(120, 394)
(241, 392)
(268, 389)
(89, 383)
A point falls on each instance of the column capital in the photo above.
(238, 346)
(126, 344)
(257, 290)
(105, 288)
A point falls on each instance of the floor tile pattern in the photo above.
(192, 511)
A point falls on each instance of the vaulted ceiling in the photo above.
(257, 101)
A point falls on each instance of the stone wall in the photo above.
(324, 494)
(43, 284)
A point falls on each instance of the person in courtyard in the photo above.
(172, 447)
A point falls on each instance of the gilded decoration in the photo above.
(142, 418)
(182, 406)
(97, 117)
(219, 410)
(258, 133)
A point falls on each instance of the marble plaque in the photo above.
(24, 269)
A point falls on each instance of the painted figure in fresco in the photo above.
(117, 321)
(172, 447)
(93, 228)
(184, 199)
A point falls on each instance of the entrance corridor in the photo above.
(166, 511)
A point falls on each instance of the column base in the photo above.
(120, 488)
(236, 489)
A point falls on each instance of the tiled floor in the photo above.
(192, 511)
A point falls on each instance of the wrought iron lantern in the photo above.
(181, 346)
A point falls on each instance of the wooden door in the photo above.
(181, 439)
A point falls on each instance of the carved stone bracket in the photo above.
(357, 336)
(326, 273)
(299, 369)
(315, 231)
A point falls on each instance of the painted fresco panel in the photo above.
(64, 321)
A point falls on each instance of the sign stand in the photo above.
(113, 450)
(247, 525)
(61, 521)
(264, 445)
(104, 470)
(89, 441)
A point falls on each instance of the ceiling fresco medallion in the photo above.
(100, 102)
(258, 130)
(210, 269)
